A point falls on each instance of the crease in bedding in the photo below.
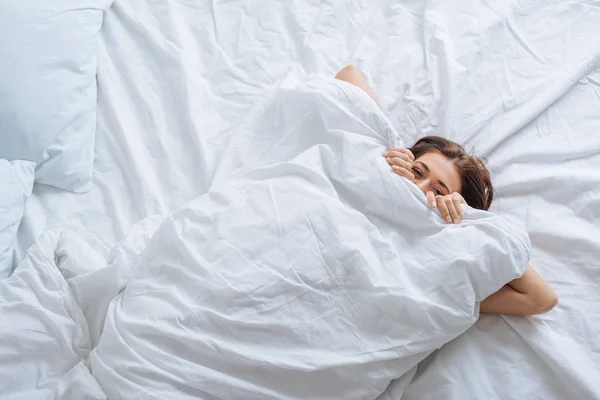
(177, 80)
(312, 273)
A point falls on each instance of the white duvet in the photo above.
(313, 273)
(517, 82)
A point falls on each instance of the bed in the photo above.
(517, 83)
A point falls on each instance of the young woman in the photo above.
(448, 176)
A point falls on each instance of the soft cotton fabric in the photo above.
(313, 273)
(16, 182)
(516, 82)
(53, 308)
(48, 87)
(44, 336)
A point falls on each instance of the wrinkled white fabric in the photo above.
(16, 181)
(315, 273)
(514, 81)
(53, 309)
(44, 336)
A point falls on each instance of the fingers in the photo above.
(401, 161)
(409, 154)
(443, 207)
(431, 199)
(450, 207)
(403, 172)
(405, 154)
(397, 161)
(457, 200)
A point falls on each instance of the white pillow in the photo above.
(16, 182)
(48, 87)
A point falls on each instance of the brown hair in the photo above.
(476, 182)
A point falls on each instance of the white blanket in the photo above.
(513, 81)
(313, 273)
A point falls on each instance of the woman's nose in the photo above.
(422, 184)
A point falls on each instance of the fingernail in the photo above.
(433, 204)
(456, 221)
(449, 219)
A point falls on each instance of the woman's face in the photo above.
(435, 173)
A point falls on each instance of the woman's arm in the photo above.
(527, 295)
(352, 75)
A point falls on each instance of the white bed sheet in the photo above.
(519, 83)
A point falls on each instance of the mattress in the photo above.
(517, 83)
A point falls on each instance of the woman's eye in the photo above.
(438, 192)
(417, 172)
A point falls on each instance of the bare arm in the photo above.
(352, 75)
(527, 295)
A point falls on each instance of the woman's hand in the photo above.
(449, 206)
(401, 160)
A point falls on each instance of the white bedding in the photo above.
(311, 273)
(16, 181)
(48, 87)
(519, 83)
